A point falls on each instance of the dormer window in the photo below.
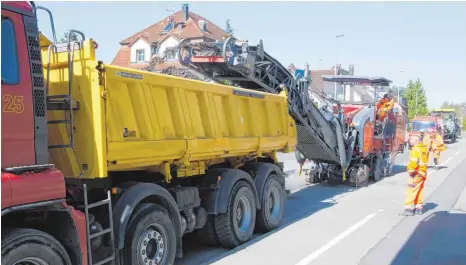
(140, 56)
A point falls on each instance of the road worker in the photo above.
(417, 170)
(384, 106)
(437, 146)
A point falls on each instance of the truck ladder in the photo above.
(251, 67)
(105, 254)
(63, 102)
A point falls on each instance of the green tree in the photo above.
(459, 108)
(416, 99)
(64, 39)
(228, 28)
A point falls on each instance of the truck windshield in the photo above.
(444, 115)
(423, 125)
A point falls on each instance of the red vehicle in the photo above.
(37, 223)
(370, 146)
(136, 215)
(428, 124)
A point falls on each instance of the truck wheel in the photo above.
(378, 173)
(207, 234)
(31, 246)
(236, 226)
(272, 205)
(150, 238)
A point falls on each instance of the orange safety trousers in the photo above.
(417, 169)
(415, 190)
(437, 146)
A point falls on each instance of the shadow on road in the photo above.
(438, 239)
(298, 205)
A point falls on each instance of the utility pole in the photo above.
(336, 63)
(398, 89)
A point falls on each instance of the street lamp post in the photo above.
(398, 89)
(336, 63)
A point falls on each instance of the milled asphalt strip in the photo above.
(444, 197)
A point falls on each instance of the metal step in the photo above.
(97, 204)
(56, 146)
(58, 121)
(58, 97)
(103, 232)
(111, 258)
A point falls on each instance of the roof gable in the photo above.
(190, 29)
(139, 38)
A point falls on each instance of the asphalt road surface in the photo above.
(341, 225)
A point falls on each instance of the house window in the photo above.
(140, 55)
(153, 49)
(10, 64)
(171, 55)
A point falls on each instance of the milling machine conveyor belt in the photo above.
(251, 67)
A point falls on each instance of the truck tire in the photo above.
(270, 215)
(207, 234)
(31, 246)
(378, 172)
(236, 226)
(150, 237)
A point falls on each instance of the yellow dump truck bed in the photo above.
(131, 120)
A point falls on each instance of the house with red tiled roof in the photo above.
(158, 39)
(327, 88)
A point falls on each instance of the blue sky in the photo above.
(426, 40)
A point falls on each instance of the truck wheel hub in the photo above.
(273, 203)
(243, 214)
(151, 247)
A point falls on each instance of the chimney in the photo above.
(351, 69)
(306, 70)
(203, 25)
(185, 12)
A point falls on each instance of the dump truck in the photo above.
(452, 128)
(109, 165)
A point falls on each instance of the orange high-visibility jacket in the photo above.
(427, 142)
(385, 104)
(381, 103)
(418, 158)
(437, 143)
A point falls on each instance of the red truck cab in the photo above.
(33, 191)
(428, 124)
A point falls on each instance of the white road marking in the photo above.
(314, 255)
(457, 153)
(441, 165)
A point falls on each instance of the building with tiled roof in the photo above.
(137, 50)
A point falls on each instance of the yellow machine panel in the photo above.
(129, 120)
